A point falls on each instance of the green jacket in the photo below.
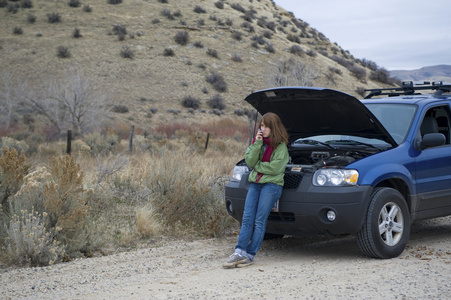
(274, 170)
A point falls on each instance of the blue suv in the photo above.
(366, 167)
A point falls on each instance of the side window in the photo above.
(437, 120)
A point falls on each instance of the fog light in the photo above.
(331, 215)
(230, 208)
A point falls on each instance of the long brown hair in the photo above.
(278, 132)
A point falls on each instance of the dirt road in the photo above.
(289, 268)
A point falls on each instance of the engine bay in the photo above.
(314, 160)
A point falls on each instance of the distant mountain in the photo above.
(431, 73)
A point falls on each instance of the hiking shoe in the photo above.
(247, 263)
(234, 259)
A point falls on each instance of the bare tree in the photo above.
(291, 72)
(12, 96)
(72, 102)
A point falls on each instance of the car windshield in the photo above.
(396, 118)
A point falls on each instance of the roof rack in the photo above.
(410, 88)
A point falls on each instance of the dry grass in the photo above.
(147, 222)
(92, 202)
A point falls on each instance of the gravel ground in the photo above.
(289, 268)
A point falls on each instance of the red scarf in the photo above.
(266, 155)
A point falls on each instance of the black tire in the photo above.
(386, 227)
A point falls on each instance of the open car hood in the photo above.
(308, 111)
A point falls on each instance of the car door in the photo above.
(433, 168)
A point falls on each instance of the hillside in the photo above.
(174, 46)
(431, 73)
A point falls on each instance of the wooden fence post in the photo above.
(206, 142)
(69, 142)
(130, 139)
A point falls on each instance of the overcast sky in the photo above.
(395, 34)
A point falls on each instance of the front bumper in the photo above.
(304, 210)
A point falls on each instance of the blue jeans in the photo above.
(259, 201)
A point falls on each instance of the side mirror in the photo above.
(430, 140)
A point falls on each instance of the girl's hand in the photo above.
(259, 135)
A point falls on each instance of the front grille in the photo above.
(292, 180)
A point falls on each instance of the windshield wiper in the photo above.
(353, 142)
(314, 142)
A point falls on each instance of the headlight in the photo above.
(238, 172)
(335, 177)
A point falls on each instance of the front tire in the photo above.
(386, 227)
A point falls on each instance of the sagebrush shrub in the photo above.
(259, 39)
(102, 145)
(66, 203)
(114, 2)
(360, 91)
(127, 52)
(191, 102)
(248, 27)
(198, 44)
(267, 34)
(369, 64)
(249, 16)
(359, 73)
(237, 57)
(63, 52)
(383, 76)
(3, 3)
(294, 38)
(335, 70)
(120, 108)
(76, 33)
(74, 3)
(181, 38)
(18, 30)
(219, 4)
(87, 8)
(13, 168)
(13, 8)
(217, 81)
(270, 48)
(167, 13)
(11, 143)
(212, 53)
(237, 35)
(31, 18)
(342, 61)
(198, 9)
(297, 50)
(119, 30)
(216, 102)
(29, 242)
(168, 52)
(311, 53)
(238, 7)
(54, 18)
(26, 4)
